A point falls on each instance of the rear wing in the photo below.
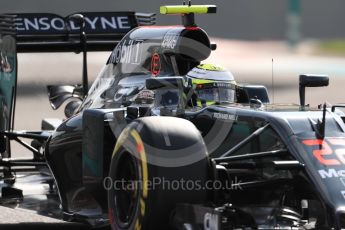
(45, 32)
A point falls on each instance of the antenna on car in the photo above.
(322, 125)
(272, 81)
(188, 19)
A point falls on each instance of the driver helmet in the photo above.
(212, 84)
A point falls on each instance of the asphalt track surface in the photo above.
(250, 62)
(22, 219)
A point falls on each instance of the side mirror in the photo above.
(59, 94)
(310, 80)
(245, 93)
(71, 108)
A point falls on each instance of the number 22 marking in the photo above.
(325, 150)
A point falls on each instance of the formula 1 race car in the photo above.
(146, 147)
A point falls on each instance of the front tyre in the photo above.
(157, 163)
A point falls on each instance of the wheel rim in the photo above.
(126, 192)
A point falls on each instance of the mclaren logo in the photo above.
(332, 173)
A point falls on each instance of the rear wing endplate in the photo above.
(8, 73)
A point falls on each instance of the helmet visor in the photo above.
(213, 93)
